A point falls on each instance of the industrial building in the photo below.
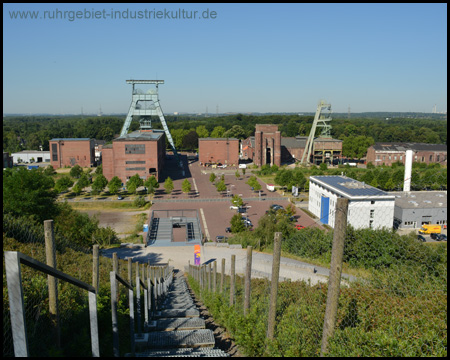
(416, 208)
(368, 207)
(71, 152)
(218, 150)
(271, 148)
(140, 152)
(31, 156)
(389, 153)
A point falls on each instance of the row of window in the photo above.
(438, 157)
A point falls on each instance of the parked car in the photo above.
(434, 236)
(421, 238)
(276, 207)
(247, 222)
(242, 166)
(222, 166)
(221, 238)
(234, 207)
(441, 237)
(228, 229)
(241, 210)
(299, 227)
(119, 198)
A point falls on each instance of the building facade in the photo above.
(368, 207)
(218, 150)
(416, 208)
(71, 152)
(267, 145)
(30, 156)
(140, 152)
(326, 150)
(389, 153)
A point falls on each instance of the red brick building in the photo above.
(70, 152)
(389, 153)
(218, 150)
(267, 145)
(140, 152)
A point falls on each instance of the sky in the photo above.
(237, 57)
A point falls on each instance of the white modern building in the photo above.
(31, 156)
(368, 206)
(416, 208)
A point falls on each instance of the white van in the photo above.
(242, 166)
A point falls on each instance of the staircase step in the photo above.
(178, 306)
(176, 313)
(181, 338)
(177, 324)
(184, 352)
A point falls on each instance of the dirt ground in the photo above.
(123, 222)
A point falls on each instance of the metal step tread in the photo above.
(181, 338)
(174, 313)
(177, 324)
(184, 352)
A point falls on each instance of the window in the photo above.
(54, 152)
(134, 148)
(401, 157)
(134, 162)
(372, 213)
(135, 169)
(378, 157)
(372, 202)
(395, 157)
(437, 158)
(371, 224)
(384, 157)
(389, 157)
(431, 158)
(423, 158)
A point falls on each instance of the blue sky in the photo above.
(249, 58)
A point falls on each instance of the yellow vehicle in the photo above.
(430, 229)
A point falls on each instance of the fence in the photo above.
(40, 315)
(394, 305)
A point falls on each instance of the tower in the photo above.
(320, 120)
(144, 105)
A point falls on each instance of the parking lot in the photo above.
(216, 207)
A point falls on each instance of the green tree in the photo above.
(151, 183)
(168, 185)
(49, 171)
(63, 183)
(237, 225)
(220, 186)
(29, 193)
(133, 183)
(201, 131)
(99, 184)
(114, 185)
(235, 132)
(82, 182)
(236, 200)
(76, 171)
(186, 186)
(105, 236)
(217, 132)
(99, 170)
(212, 177)
(190, 141)
(237, 174)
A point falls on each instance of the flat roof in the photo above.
(71, 139)
(141, 136)
(397, 146)
(208, 138)
(420, 199)
(348, 187)
(31, 152)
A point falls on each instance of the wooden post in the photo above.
(115, 262)
(215, 276)
(209, 277)
(274, 285)
(334, 281)
(95, 268)
(50, 252)
(248, 275)
(222, 275)
(232, 278)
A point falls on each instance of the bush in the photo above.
(139, 201)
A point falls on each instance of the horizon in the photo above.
(265, 58)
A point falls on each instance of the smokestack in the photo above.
(408, 170)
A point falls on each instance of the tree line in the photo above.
(34, 132)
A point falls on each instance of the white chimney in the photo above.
(408, 170)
